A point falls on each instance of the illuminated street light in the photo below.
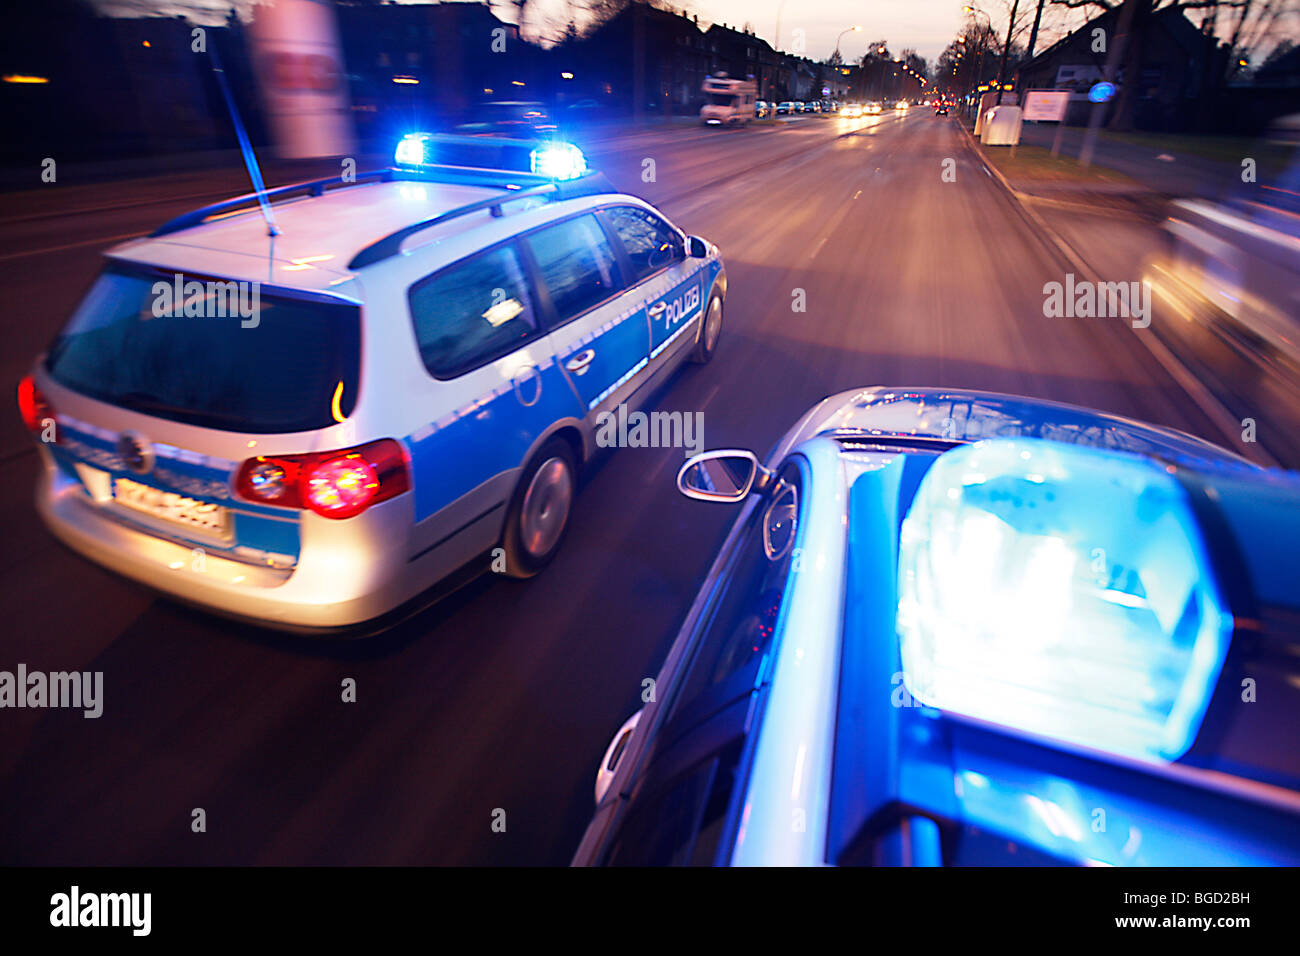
(841, 37)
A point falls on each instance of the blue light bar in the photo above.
(558, 161)
(1062, 591)
(411, 149)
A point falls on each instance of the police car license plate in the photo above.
(175, 509)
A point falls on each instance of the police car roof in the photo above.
(320, 235)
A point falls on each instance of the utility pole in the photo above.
(1033, 34)
(1006, 48)
(1114, 58)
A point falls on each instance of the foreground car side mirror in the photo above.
(728, 474)
(613, 754)
(696, 247)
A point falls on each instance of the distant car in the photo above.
(763, 108)
(418, 382)
(872, 109)
(510, 118)
(901, 105)
(800, 106)
(940, 108)
(851, 110)
(786, 107)
(947, 626)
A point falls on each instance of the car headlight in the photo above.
(1062, 591)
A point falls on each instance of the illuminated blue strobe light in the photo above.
(1062, 591)
(559, 161)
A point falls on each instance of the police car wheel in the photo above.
(540, 511)
(710, 331)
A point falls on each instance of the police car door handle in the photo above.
(580, 361)
(658, 309)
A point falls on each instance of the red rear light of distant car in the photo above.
(33, 405)
(335, 484)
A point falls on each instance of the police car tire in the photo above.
(703, 352)
(520, 562)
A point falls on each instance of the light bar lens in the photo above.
(559, 161)
(410, 150)
(1063, 591)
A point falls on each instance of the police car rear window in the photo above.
(210, 352)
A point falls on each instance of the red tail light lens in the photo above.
(33, 405)
(336, 484)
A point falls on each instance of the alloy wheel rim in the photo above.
(546, 507)
(714, 324)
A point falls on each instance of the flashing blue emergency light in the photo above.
(412, 149)
(1101, 92)
(558, 160)
(1064, 592)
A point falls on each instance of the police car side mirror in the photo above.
(696, 248)
(725, 475)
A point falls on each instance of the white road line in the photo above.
(70, 245)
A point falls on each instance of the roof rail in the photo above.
(316, 187)
(590, 184)
(457, 175)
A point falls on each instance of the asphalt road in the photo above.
(503, 696)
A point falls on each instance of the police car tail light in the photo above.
(1062, 591)
(338, 484)
(558, 161)
(33, 405)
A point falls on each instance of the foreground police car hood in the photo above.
(1002, 616)
(939, 417)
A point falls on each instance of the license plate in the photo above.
(173, 508)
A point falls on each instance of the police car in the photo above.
(306, 415)
(955, 627)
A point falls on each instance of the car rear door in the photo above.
(479, 331)
(598, 325)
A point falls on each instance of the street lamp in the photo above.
(971, 12)
(841, 37)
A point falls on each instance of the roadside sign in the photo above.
(1046, 105)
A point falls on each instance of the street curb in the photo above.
(1215, 410)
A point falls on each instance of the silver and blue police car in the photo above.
(305, 408)
(953, 628)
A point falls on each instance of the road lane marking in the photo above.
(70, 245)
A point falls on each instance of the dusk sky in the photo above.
(926, 26)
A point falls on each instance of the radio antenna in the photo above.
(245, 147)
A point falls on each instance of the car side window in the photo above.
(472, 312)
(575, 261)
(740, 629)
(680, 808)
(650, 242)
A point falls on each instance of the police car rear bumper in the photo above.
(348, 572)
